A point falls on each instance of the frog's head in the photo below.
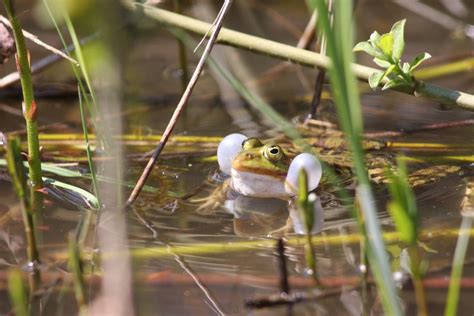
(257, 158)
(264, 170)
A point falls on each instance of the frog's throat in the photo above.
(258, 185)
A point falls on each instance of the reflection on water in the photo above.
(269, 216)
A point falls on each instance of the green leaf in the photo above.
(382, 63)
(393, 84)
(385, 44)
(368, 48)
(418, 60)
(403, 222)
(398, 40)
(73, 193)
(406, 68)
(375, 78)
(388, 71)
(374, 37)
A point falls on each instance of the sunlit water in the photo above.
(175, 278)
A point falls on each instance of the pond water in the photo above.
(187, 259)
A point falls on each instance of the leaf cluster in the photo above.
(387, 50)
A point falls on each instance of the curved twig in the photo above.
(182, 102)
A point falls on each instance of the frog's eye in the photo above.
(251, 143)
(273, 152)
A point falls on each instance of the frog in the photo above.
(265, 170)
(270, 169)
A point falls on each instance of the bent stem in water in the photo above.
(17, 172)
(75, 265)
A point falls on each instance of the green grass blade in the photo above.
(89, 199)
(79, 54)
(339, 49)
(91, 105)
(88, 148)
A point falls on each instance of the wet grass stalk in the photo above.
(297, 55)
(76, 268)
(339, 48)
(306, 209)
(30, 111)
(17, 172)
(458, 264)
(18, 293)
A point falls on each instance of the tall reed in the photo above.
(30, 109)
(343, 82)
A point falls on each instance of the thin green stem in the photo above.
(416, 272)
(91, 107)
(80, 56)
(88, 148)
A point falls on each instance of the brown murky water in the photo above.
(170, 277)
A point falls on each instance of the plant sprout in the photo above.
(387, 50)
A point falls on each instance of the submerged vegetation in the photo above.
(376, 228)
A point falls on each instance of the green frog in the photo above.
(265, 170)
(271, 170)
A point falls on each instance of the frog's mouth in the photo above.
(259, 171)
(258, 184)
